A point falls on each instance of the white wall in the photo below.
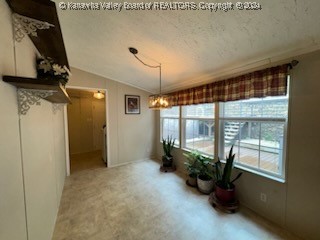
(303, 193)
(59, 152)
(295, 204)
(131, 137)
(32, 149)
(12, 208)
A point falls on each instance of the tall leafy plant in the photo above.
(205, 165)
(199, 165)
(192, 163)
(167, 145)
(223, 176)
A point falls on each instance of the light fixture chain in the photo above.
(151, 66)
(158, 101)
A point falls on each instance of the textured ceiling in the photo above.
(193, 46)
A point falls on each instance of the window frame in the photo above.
(219, 137)
(177, 145)
(279, 177)
(201, 118)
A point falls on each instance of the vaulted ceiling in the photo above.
(194, 46)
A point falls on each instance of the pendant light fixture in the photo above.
(98, 95)
(158, 101)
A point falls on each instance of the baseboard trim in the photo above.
(126, 163)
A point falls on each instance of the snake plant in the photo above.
(223, 177)
(167, 145)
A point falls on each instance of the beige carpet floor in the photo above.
(137, 201)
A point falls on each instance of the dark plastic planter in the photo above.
(167, 161)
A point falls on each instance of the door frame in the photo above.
(66, 130)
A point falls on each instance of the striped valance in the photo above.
(258, 84)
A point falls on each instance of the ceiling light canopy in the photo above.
(98, 95)
(159, 101)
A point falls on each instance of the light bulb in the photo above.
(98, 95)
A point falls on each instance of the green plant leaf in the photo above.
(225, 180)
(237, 177)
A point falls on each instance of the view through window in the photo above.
(255, 127)
(169, 121)
(198, 128)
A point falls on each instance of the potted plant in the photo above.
(47, 68)
(192, 168)
(167, 159)
(225, 189)
(205, 180)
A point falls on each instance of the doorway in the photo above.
(87, 129)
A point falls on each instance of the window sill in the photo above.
(203, 154)
(275, 178)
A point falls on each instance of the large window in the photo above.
(198, 128)
(257, 129)
(169, 121)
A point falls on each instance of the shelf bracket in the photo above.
(57, 107)
(28, 97)
(23, 25)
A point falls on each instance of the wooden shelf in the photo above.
(49, 42)
(59, 96)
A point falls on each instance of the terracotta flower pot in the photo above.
(225, 195)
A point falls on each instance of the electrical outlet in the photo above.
(263, 197)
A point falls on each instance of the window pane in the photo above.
(199, 135)
(170, 128)
(249, 140)
(198, 111)
(170, 112)
(231, 133)
(256, 144)
(274, 107)
(271, 148)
